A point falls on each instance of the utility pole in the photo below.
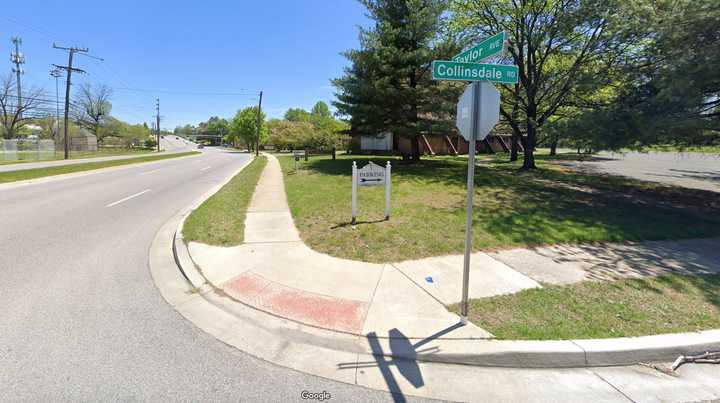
(157, 124)
(69, 69)
(19, 59)
(56, 73)
(257, 143)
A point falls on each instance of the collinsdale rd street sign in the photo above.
(454, 71)
(489, 47)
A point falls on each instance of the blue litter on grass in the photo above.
(429, 280)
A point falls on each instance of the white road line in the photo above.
(127, 198)
(149, 172)
(206, 168)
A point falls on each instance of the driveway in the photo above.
(691, 170)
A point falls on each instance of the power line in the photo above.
(246, 93)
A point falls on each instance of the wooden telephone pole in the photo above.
(157, 122)
(257, 143)
(69, 69)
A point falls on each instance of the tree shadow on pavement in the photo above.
(698, 261)
(614, 261)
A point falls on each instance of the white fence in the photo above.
(26, 150)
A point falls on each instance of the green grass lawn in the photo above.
(220, 220)
(35, 173)
(512, 208)
(31, 156)
(623, 308)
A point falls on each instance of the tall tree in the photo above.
(217, 126)
(184, 131)
(287, 134)
(321, 109)
(243, 128)
(388, 87)
(671, 95)
(95, 107)
(564, 50)
(15, 115)
(297, 115)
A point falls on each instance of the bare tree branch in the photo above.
(15, 115)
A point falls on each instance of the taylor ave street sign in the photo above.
(454, 71)
(489, 47)
(371, 175)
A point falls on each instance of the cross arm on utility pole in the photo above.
(71, 49)
(73, 69)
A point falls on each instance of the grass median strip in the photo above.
(32, 156)
(27, 174)
(512, 208)
(622, 308)
(220, 220)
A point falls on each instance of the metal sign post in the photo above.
(472, 142)
(478, 111)
(296, 156)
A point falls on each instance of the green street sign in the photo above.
(491, 46)
(454, 71)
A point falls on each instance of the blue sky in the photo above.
(289, 49)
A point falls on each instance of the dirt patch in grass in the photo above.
(220, 220)
(512, 208)
(623, 308)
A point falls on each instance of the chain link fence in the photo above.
(26, 150)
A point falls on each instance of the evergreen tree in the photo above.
(388, 86)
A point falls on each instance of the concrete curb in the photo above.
(488, 353)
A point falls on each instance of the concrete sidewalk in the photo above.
(381, 326)
(276, 272)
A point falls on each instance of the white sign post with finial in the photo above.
(388, 184)
(354, 193)
(371, 175)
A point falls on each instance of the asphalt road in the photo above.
(169, 144)
(692, 170)
(81, 317)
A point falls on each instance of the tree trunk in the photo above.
(516, 135)
(553, 147)
(529, 145)
(514, 140)
(415, 140)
